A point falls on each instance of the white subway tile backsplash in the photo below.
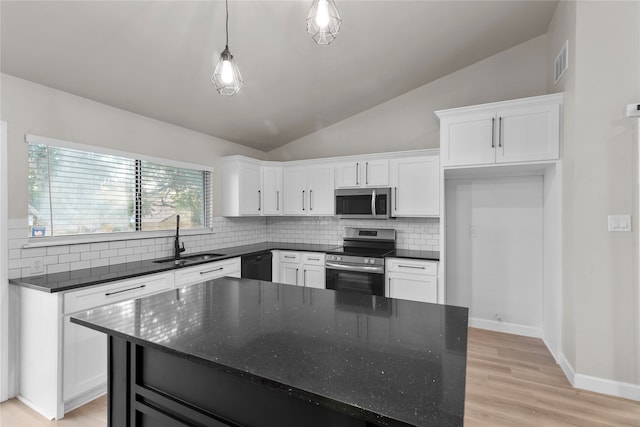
(58, 268)
(57, 250)
(412, 233)
(99, 246)
(108, 253)
(84, 256)
(117, 245)
(69, 258)
(79, 265)
(85, 247)
(100, 262)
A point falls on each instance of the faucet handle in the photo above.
(182, 249)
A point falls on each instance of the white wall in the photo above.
(600, 177)
(408, 122)
(35, 109)
(495, 251)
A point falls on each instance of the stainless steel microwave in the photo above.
(364, 203)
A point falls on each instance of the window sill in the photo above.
(40, 242)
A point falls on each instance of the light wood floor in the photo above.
(511, 381)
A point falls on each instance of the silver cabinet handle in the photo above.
(289, 256)
(277, 200)
(357, 173)
(373, 203)
(411, 266)
(108, 294)
(493, 132)
(259, 199)
(211, 271)
(297, 277)
(302, 199)
(304, 277)
(366, 173)
(310, 199)
(389, 296)
(314, 259)
(500, 132)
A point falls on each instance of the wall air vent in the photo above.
(561, 63)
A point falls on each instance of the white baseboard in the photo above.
(30, 404)
(567, 369)
(599, 385)
(604, 386)
(76, 402)
(507, 328)
(584, 382)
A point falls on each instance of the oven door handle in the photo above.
(356, 268)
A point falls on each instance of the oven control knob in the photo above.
(367, 260)
(338, 258)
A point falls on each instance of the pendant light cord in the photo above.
(227, 22)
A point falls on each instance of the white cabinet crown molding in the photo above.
(541, 99)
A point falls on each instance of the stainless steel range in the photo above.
(359, 265)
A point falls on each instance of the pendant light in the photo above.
(323, 21)
(226, 77)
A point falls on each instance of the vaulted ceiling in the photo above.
(156, 58)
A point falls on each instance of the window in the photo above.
(79, 192)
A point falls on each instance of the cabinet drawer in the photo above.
(209, 271)
(312, 258)
(115, 292)
(286, 256)
(412, 266)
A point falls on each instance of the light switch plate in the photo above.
(619, 222)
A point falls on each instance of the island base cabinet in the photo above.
(151, 387)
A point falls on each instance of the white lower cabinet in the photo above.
(85, 350)
(412, 279)
(64, 365)
(301, 269)
(209, 271)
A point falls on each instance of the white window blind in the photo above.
(79, 192)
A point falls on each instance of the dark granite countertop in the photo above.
(423, 255)
(393, 362)
(75, 279)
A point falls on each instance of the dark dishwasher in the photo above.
(257, 266)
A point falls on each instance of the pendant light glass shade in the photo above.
(226, 77)
(323, 21)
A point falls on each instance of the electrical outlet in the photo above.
(36, 266)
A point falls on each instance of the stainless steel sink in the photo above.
(187, 259)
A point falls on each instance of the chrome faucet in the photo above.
(176, 245)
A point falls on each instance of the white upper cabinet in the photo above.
(251, 187)
(320, 190)
(294, 188)
(271, 195)
(242, 187)
(308, 189)
(415, 184)
(365, 173)
(521, 130)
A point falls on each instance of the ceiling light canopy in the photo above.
(226, 77)
(323, 21)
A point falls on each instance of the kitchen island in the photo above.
(252, 353)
